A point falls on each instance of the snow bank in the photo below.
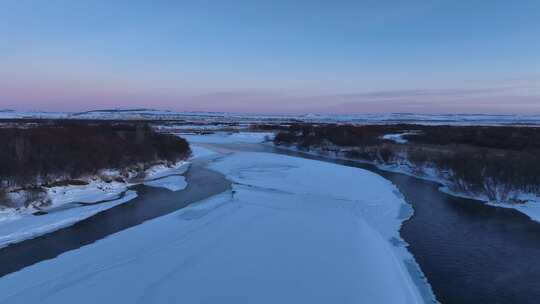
(66, 208)
(398, 137)
(291, 231)
(530, 206)
(531, 209)
(173, 183)
(95, 191)
(224, 137)
(20, 227)
(160, 171)
(168, 177)
(68, 202)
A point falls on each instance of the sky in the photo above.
(375, 56)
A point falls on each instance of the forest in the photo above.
(39, 154)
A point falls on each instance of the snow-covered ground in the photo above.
(71, 204)
(530, 205)
(19, 226)
(228, 137)
(197, 128)
(96, 190)
(160, 171)
(398, 137)
(530, 208)
(291, 230)
(11, 114)
(168, 177)
(173, 183)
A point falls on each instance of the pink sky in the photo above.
(497, 101)
(271, 56)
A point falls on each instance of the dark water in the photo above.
(150, 203)
(470, 252)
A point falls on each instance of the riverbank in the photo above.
(70, 204)
(530, 205)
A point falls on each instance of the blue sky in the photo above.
(271, 56)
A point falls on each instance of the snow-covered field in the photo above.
(292, 230)
(66, 209)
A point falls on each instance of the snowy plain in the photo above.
(291, 230)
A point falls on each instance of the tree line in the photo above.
(493, 161)
(44, 153)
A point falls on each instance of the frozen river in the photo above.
(469, 251)
(287, 230)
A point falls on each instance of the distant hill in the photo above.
(222, 117)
